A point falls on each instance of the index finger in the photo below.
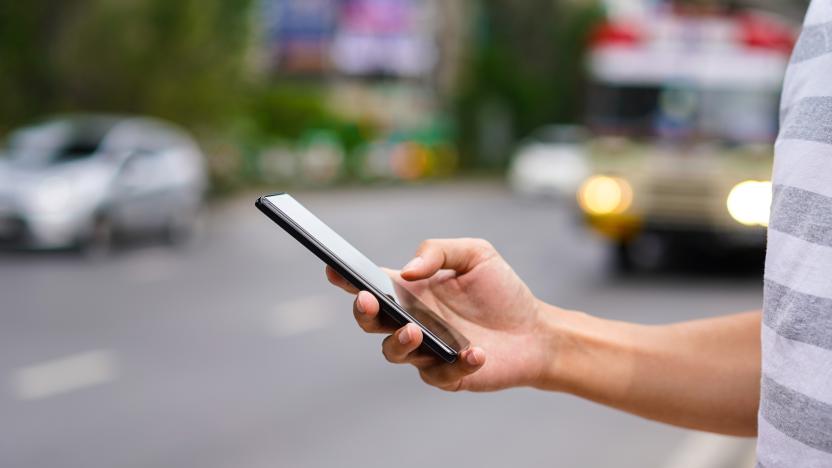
(460, 255)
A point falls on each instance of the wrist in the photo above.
(557, 342)
(582, 354)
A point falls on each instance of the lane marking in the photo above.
(65, 374)
(705, 450)
(302, 315)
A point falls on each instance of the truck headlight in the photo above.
(749, 202)
(604, 195)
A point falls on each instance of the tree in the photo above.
(526, 70)
(182, 60)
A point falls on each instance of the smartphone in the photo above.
(397, 303)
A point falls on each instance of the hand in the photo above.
(470, 285)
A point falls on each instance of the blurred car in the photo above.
(551, 162)
(682, 136)
(653, 202)
(85, 180)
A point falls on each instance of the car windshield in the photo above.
(684, 113)
(56, 142)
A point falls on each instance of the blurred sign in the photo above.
(710, 51)
(356, 37)
(391, 37)
(299, 33)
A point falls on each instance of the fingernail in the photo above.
(413, 264)
(472, 358)
(358, 305)
(404, 335)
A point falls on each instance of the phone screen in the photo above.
(366, 269)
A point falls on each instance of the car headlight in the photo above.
(51, 196)
(749, 202)
(604, 195)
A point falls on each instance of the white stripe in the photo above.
(704, 450)
(302, 315)
(799, 366)
(803, 164)
(799, 265)
(808, 78)
(820, 11)
(775, 449)
(64, 374)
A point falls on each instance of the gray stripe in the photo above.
(798, 316)
(814, 41)
(796, 415)
(803, 214)
(776, 449)
(809, 119)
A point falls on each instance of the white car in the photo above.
(83, 180)
(552, 162)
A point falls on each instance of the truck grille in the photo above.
(683, 201)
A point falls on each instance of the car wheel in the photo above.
(647, 252)
(622, 261)
(182, 228)
(99, 241)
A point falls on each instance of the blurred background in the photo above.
(616, 152)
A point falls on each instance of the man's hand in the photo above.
(702, 374)
(476, 292)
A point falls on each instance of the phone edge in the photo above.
(400, 317)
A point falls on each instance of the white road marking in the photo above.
(65, 374)
(704, 450)
(302, 315)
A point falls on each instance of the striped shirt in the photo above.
(795, 419)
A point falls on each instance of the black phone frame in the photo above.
(393, 310)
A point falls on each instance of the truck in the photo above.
(682, 109)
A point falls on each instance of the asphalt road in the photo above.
(236, 353)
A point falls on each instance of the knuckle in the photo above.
(426, 377)
(385, 352)
(453, 387)
(435, 377)
(426, 245)
(388, 352)
(366, 324)
(483, 245)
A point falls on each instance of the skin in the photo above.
(702, 374)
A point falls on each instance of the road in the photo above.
(235, 353)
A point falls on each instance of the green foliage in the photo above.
(182, 60)
(189, 61)
(528, 62)
(289, 110)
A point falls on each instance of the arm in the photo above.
(702, 374)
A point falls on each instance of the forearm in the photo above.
(703, 374)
